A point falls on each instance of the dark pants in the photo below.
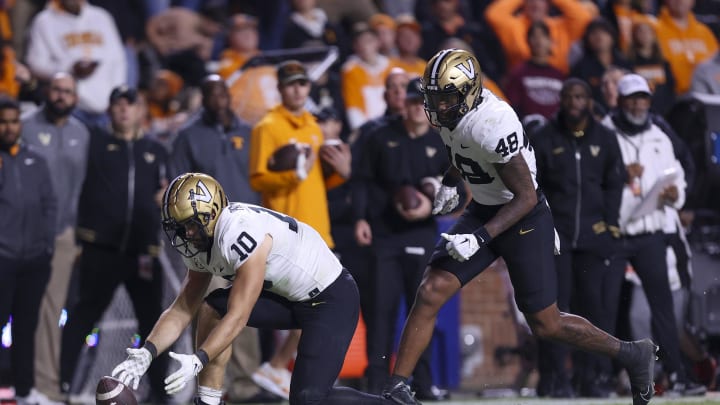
(400, 262)
(328, 323)
(22, 285)
(598, 282)
(646, 253)
(100, 272)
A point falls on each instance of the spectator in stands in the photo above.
(402, 152)
(63, 141)
(408, 40)
(385, 27)
(362, 77)
(647, 153)
(488, 83)
(162, 95)
(81, 39)
(14, 76)
(130, 17)
(580, 170)
(28, 209)
(599, 52)
(309, 23)
(534, 86)
(297, 192)
(447, 21)
(183, 40)
(706, 78)
(119, 230)
(511, 28)
(243, 42)
(685, 41)
(647, 60)
(348, 11)
(609, 90)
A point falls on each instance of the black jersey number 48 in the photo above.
(511, 143)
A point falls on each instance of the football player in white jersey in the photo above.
(283, 276)
(507, 217)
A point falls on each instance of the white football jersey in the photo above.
(489, 133)
(299, 266)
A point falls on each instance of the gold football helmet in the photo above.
(452, 84)
(191, 207)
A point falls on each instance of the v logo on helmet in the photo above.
(201, 193)
(469, 72)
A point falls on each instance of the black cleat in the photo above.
(400, 393)
(641, 369)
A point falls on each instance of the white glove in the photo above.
(301, 165)
(190, 367)
(446, 199)
(461, 246)
(134, 367)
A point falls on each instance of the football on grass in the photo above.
(111, 391)
(407, 197)
(285, 157)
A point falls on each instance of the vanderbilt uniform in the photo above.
(305, 288)
(299, 266)
(488, 134)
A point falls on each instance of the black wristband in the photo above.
(204, 358)
(150, 346)
(482, 235)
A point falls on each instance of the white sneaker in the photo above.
(275, 380)
(36, 397)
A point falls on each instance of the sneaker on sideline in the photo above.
(275, 380)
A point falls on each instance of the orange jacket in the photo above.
(232, 60)
(511, 28)
(8, 85)
(684, 48)
(283, 191)
(414, 68)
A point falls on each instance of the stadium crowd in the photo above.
(104, 102)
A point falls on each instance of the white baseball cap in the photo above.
(631, 84)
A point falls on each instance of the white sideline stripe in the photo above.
(112, 394)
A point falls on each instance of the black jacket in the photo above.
(117, 206)
(28, 207)
(391, 159)
(583, 179)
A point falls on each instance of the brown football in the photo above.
(430, 186)
(407, 197)
(285, 157)
(111, 391)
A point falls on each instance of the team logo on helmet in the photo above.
(452, 85)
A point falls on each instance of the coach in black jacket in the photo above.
(119, 229)
(581, 172)
(401, 152)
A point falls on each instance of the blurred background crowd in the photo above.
(105, 101)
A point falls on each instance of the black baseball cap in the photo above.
(128, 93)
(414, 89)
(290, 71)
